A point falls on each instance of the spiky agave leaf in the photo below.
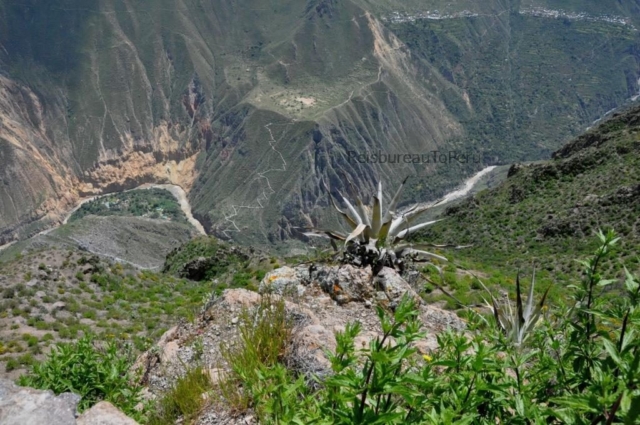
(362, 209)
(517, 324)
(405, 220)
(376, 219)
(403, 234)
(327, 234)
(394, 202)
(408, 251)
(352, 210)
(351, 222)
(361, 231)
(427, 245)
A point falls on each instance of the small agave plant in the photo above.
(377, 235)
(517, 323)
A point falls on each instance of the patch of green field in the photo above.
(152, 203)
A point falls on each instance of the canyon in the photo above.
(249, 108)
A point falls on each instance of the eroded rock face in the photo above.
(320, 300)
(344, 284)
(27, 406)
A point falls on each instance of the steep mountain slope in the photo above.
(248, 106)
(549, 211)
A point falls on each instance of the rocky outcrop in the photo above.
(27, 406)
(319, 299)
(344, 284)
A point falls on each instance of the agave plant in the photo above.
(377, 235)
(517, 323)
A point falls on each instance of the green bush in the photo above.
(94, 373)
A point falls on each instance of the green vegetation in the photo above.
(547, 213)
(112, 301)
(207, 258)
(580, 365)
(95, 373)
(152, 203)
(184, 400)
(265, 334)
(375, 233)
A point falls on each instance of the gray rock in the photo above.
(27, 406)
(346, 283)
(394, 287)
(285, 281)
(104, 413)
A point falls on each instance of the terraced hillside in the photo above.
(249, 105)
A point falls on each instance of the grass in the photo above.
(264, 336)
(184, 400)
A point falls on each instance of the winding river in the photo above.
(183, 201)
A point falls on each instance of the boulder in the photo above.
(394, 288)
(345, 283)
(27, 406)
(284, 281)
(104, 413)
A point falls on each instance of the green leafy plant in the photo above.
(92, 372)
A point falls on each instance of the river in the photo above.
(183, 201)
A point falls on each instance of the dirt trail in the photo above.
(5, 246)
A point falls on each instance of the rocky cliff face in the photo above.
(246, 107)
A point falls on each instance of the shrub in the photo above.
(94, 373)
(12, 364)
